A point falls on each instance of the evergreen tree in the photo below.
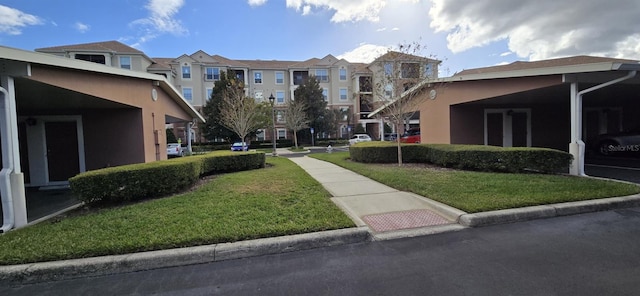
(310, 93)
(213, 129)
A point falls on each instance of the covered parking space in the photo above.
(562, 104)
(61, 117)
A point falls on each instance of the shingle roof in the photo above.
(161, 63)
(113, 46)
(523, 65)
(261, 64)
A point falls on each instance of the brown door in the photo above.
(519, 129)
(62, 150)
(494, 129)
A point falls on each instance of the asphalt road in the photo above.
(620, 168)
(589, 254)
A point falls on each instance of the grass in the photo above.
(481, 191)
(278, 200)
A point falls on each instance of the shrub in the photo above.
(471, 157)
(160, 178)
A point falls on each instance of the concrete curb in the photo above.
(547, 211)
(105, 265)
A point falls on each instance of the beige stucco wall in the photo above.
(436, 117)
(135, 126)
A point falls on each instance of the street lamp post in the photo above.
(273, 118)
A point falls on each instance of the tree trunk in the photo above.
(398, 143)
(295, 138)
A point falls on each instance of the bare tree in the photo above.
(295, 117)
(397, 78)
(240, 113)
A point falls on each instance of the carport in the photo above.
(61, 117)
(560, 104)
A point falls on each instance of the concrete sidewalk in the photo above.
(383, 209)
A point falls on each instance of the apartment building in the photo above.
(346, 86)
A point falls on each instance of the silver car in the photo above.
(357, 138)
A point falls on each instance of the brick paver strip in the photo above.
(403, 220)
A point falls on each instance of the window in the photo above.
(410, 70)
(428, 70)
(388, 90)
(209, 93)
(322, 75)
(186, 72)
(258, 95)
(279, 77)
(257, 77)
(343, 74)
(95, 58)
(187, 93)
(212, 73)
(260, 135)
(343, 94)
(388, 69)
(125, 63)
(282, 133)
(345, 113)
(325, 94)
(279, 97)
(280, 116)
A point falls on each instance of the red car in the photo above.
(412, 135)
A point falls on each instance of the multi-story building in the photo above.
(346, 86)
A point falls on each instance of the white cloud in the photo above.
(506, 53)
(541, 29)
(257, 2)
(161, 20)
(12, 20)
(395, 29)
(381, 30)
(365, 53)
(81, 27)
(345, 11)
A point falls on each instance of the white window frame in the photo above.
(346, 94)
(280, 118)
(260, 135)
(284, 131)
(345, 74)
(428, 70)
(209, 93)
(325, 94)
(190, 98)
(182, 68)
(255, 78)
(507, 127)
(213, 73)
(320, 77)
(276, 77)
(284, 99)
(121, 64)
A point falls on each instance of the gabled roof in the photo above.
(523, 65)
(104, 46)
(161, 64)
(400, 56)
(229, 63)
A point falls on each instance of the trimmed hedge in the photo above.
(160, 178)
(470, 157)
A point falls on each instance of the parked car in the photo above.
(412, 135)
(174, 150)
(390, 136)
(627, 143)
(239, 146)
(357, 138)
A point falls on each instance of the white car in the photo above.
(357, 138)
(174, 150)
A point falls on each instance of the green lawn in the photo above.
(278, 200)
(481, 191)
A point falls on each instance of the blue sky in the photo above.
(465, 34)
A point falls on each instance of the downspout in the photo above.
(576, 133)
(7, 168)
